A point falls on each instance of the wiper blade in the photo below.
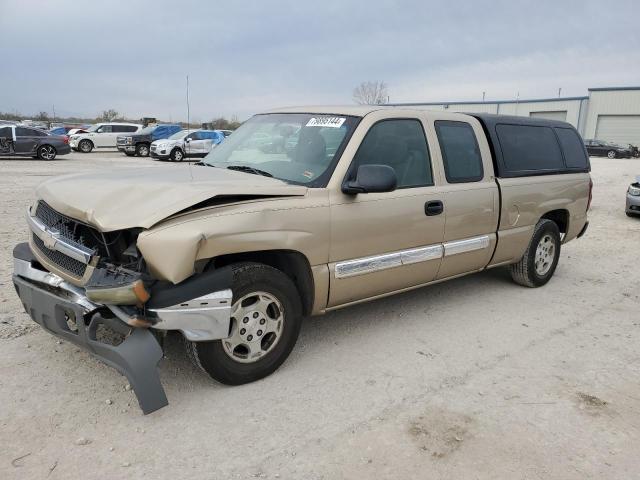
(248, 169)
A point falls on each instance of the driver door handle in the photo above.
(432, 208)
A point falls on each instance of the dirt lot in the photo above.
(475, 378)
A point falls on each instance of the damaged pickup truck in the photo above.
(333, 206)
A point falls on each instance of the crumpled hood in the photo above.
(141, 197)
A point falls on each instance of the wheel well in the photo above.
(560, 217)
(293, 264)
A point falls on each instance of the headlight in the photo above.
(133, 293)
(129, 140)
(634, 190)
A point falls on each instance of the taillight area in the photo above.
(65, 139)
(590, 194)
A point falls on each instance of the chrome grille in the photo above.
(68, 264)
(67, 227)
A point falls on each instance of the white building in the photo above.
(611, 114)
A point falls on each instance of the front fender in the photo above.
(172, 249)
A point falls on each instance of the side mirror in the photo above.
(372, 179)
(188, 140)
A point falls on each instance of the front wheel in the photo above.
(142, 150)
(46, 152)
(265, 322)
(541, 257)
(177, 155)
(611, 154)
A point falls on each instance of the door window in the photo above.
(26, 132)
(460, 151)
(104, 129)
(5, 132)
(400, 144)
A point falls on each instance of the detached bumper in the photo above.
(69, 315)
(63, 310)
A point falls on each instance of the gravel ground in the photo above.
(474, 378)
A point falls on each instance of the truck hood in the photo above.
(141, 197)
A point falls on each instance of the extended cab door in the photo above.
(384, 242)
(103, 137)
(470, 194)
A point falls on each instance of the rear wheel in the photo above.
(611, 154)
(85, 146)
(177, 155)
(46, 152)
(142, 150)
(266, 318)
(541, 257)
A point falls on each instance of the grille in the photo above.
(71, 266)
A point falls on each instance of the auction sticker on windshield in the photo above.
(332, 122)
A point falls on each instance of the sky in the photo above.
(243, 57)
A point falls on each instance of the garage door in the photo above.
(622, 129)
(551, 115)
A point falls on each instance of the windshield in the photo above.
(179, 135)
(93, 128)
(298, 148)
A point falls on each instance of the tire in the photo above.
(235, 366)
(46, 152)
(611, 154)
(632, 215)
(85, 146)
(532, 270)
(177, 155)
(142, 150)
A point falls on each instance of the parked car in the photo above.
(234, 257)
(21, 141)
(75, 131)
(186, 144)
(66, 130)
(226, 133)
(600, 148)
(140, 143)
(632, 208)
(101, 135)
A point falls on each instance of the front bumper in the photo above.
(633, 204)
(64, 310)
(126, 148)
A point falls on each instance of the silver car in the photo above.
(186, 144)
(633, 199)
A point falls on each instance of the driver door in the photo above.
(384, 242)
(104, 137)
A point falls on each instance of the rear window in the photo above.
(529, 148)
(460, 152)
(572, 147)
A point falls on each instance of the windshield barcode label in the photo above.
(332, 122)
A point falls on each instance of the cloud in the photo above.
(247, 56)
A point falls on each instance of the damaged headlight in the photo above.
(116, 287)
(128, 140)
(634, 190)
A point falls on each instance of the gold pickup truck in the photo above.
(299, 212)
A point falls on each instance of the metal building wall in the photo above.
(610, 101)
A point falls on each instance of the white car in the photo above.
(101, 135)
(185, 144)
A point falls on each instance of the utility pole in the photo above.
(54, 112)
(559, 91)
(483, 95)
(188, 110)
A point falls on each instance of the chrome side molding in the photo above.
(375, 263)
(466, 245)
(53, 240)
